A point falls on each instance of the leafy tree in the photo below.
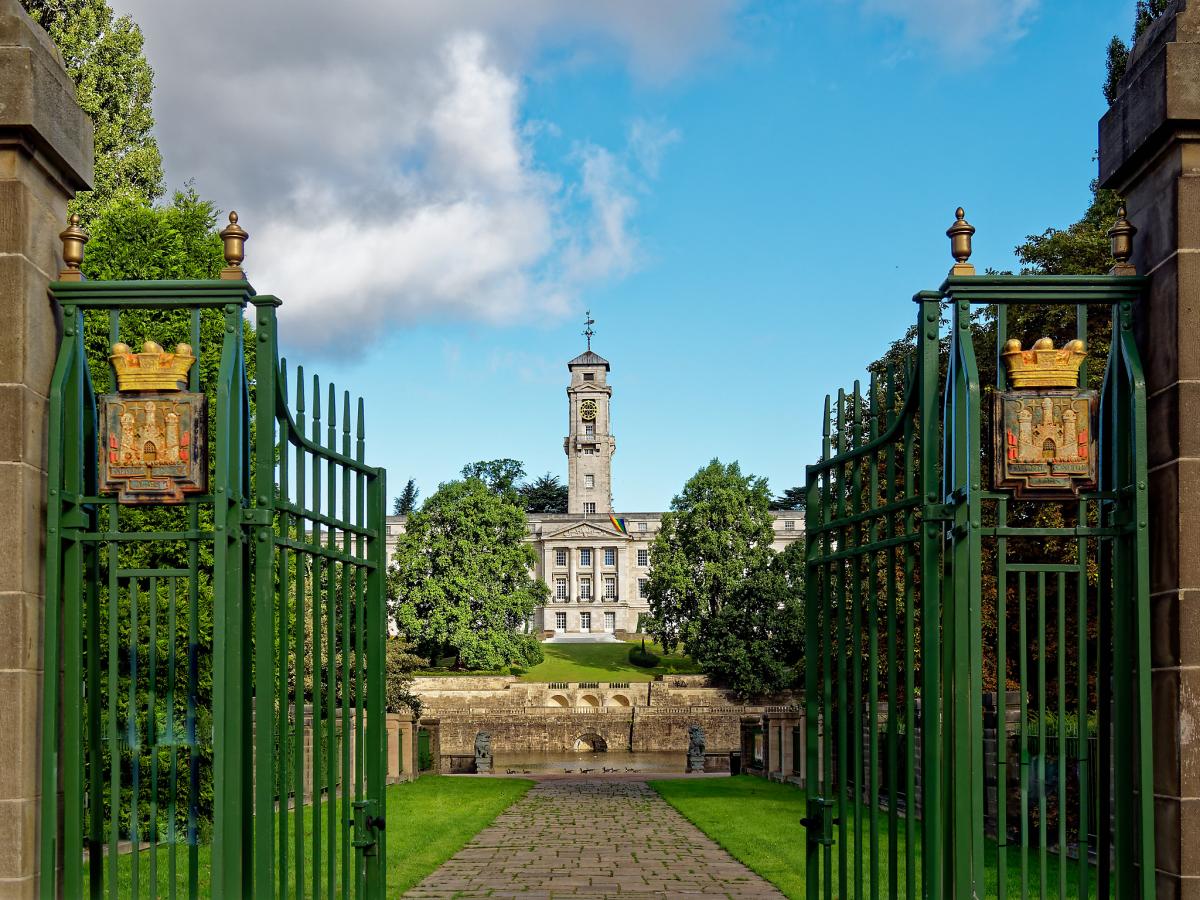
(500, 475)
(401, 663)
(792, 498)
(462, 583)
(407, 501)
(714, 586)
(113, 84)
(545, 494)
(1082, 248)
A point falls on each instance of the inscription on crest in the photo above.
(152, 441)
(1045, 442)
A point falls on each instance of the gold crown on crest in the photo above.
(1043, 365)
(154, 369)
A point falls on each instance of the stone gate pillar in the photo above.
(45, 157)
(1150, 153)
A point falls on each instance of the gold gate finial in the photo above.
(235, 237)
(960, 243)
(1121, 236)
(73, 239)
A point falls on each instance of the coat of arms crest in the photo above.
(1045, 439)
(152, 431)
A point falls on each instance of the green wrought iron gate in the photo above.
(218, 728)
(977, 675)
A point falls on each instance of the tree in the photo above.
(545, 494)
(407, 501)
(1144, 15)
(104, 55)
(401, 663)
(463, 582)
(792, 498)
(713, 585)
(500, 475)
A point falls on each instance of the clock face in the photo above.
(587, 410)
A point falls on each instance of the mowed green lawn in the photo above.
(428, 821)
(758, 822)
(603, 662)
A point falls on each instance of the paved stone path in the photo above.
(592, 839)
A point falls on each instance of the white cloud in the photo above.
(379, 155)
(959, 28)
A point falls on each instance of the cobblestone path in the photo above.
(592, 839)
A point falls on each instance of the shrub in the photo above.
(642, 657)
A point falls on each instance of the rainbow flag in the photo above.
(618, 524)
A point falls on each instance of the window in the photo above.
(589, 481)
(610, 622)
(642, 588)
(610, 587)
(610, 556)
(585, 555)
(589, 376)
(643, 557)
(641, 526)
(589, 428)
(789, 525)
(560, 621)
(585, 622)
(589, 509)
(585, 589)
(560, 588)
(560, 556)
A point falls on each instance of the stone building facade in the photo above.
(596, 568)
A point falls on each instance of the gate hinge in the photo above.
(366, 828)
(939, 512)
(257, 515)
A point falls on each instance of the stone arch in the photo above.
(618, 700)
(559, 700)
(589, 700)
(591, 742)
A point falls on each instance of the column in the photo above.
(572, 580)
(597, 580)
(45, 157)
(1150, 153)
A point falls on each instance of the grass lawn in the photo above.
(603, 662)
(428, 821)
(757, 821)
(589, 662)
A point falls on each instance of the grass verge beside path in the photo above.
(428, 821)
(758, 823)
(435, 816)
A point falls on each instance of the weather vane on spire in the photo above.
(587, 331)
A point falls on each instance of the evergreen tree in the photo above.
(545, 494)
(407, 501)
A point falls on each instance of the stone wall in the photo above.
(1150, 153)
(45, 157)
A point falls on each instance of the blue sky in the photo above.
(745, 195)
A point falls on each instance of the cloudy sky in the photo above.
(744, 193)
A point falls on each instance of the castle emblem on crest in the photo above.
(152, 430)
(1045, 434)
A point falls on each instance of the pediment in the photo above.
(585, 530)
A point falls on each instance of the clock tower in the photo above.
(589, 444)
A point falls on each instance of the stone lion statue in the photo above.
(695, 761)
(483, 752)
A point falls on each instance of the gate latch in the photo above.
(820, 821)
(365, 828)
